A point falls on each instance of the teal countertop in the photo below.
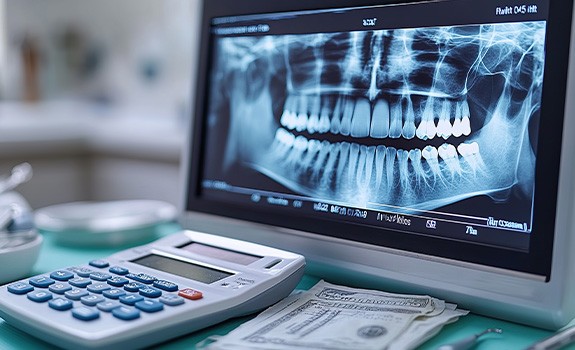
(53, 256)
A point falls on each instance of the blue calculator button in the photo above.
(142, 277)
(126, 313)
(108, 306)
(134, 286)
(99, 263)
(131, 299)
(82, 271)
(60, 304)
(41, 281)
(92, 299)
(20, 288)
(171, 299)
(113, 293)
(98, 287)
(85, 313)
(166, 285)
(118, 281)
(150, 292)
(80, 282)
(60, 288)
(75, 293)
(118, 270)
(149, 305)
(61, 275)
(39, 296)
(100, 276)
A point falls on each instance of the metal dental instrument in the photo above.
(556, 341)
(468, 342)
(20, 174)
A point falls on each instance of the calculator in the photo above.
(151, 293)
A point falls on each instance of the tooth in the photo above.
(323, 153)
(361, 118)
(352, 165)
(444, 126)
(449, 154)
(314, 104)
(328, 174)
(430, 154)
(380, 120)
(415, 157)
(324, 123)
(342, 163)
(409, 125)
(389, 166)
(299, 146)
(402, 157)
(395, 120)
(465, 123)
(470, 153)
(347, 113)
(335, 125)
(369, 158)
(379, 164)
(301, 123)
(457, 129)
(426, 129)
(313, 147)
(361, 163)
(285, 137)
(312, 123)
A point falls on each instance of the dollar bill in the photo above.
(332, 317)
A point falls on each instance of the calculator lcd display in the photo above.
(182, 268)
(223, 254)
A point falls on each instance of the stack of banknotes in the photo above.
(332, 317)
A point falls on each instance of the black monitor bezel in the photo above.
(538, 261)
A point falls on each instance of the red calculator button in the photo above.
(191, 294)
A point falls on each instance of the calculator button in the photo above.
(61, 304)
(149, 305)
(100, 276)
(191, 294)
(41, 282)
(75, 294)
(118, 270)
(60, 288)
(98, 287)
(85, 313)
(134, 286)
(61, 275)
(92, 299)
(39, 296)
(118, 281)
(142, 277)
(20, 288)
(150, 292)
(131, 299)
(82, 271)
(80, 282)
(126, 313)
(99, 263)
(113, 293)
(171, 299)
(166, 285)
(108, 306)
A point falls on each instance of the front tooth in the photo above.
(379, 164)
(389, 166)
(430, 154)
(360, 119)
(402, 157)
(409, 125)
(395, 120)
(370, 156)
(380, 120)
(352, 167)
(361, 164)
(342, 162)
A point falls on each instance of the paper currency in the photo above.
(332, 317)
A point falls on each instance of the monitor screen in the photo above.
(431, 128)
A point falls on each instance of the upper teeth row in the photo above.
(357, 118)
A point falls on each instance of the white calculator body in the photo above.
(151, 293)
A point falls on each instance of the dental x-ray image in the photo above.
(407, 118)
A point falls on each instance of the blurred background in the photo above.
(95, 95)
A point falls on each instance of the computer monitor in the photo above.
(410, 146)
